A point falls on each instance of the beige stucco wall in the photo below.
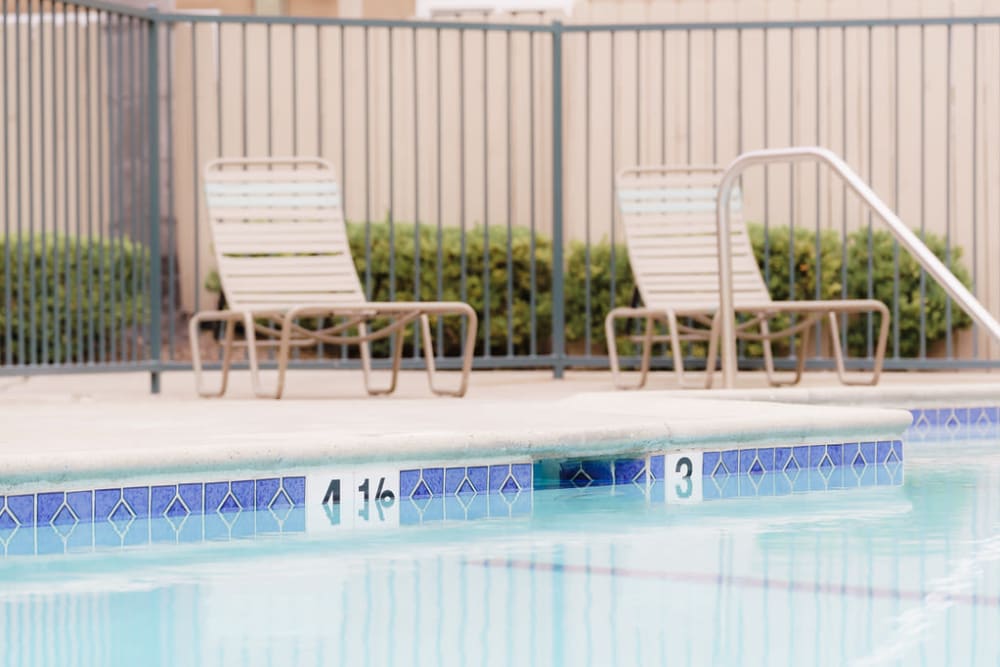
(56, 165)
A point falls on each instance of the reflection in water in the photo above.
(600, 576)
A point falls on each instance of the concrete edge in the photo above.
(641, 436)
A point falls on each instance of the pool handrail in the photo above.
(906, 238)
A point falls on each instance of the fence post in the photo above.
(558, 305)
(155, 277)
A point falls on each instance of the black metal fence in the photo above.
(477, 162)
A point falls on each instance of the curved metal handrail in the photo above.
(952, 285)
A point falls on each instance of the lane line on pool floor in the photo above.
(744, 581)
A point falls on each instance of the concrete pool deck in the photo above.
(58, 428)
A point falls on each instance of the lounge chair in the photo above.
(670, 226)
(282, 252)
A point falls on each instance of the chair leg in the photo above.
(467, 354)
(838, 353)
(883, 339)
(251, 335)
(227, 353)
(397, 357)
(284, 347)
(612, 341)
(677, 352)
(425, 333)
(765, 331)
(800, 362)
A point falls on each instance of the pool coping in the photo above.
(119, 439)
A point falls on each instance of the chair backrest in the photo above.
(279, 236)
(669, 218)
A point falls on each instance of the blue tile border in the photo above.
(461, 481)
(719, 464)
(124, 505)
(954, 422)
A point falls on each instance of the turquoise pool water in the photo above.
(898, 574)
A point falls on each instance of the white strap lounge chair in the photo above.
(670, 226)
(282, 252)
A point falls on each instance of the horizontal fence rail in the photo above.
(477, 163)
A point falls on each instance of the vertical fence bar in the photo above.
(43, 237)
(134, 175)
(65, 250)
(270, 90)
(392, 180)
(715, 87)
(612, 127)
(923, 191)
(638, 96)
(195, 207)
(154, 203)
(368, 176)
(818, 294)
(532, 267)
(871, 177)
(791, 185)
(80, 334)
(30, 255)
(510, 222)
(92, 329)
(171, 218)
(663, 95)
(124, 25)
(767, 171)
(688, 100)
(19, 257)
(102, 324)
(417, 273)
(463, 284)
(57, 279)
(588, 307)
(487, 338)
(244, 84)
(975, 172)
(343, 138)
(439, 263)
(949, 350)
(895, 201)
(843, 189)
(558, 314)
(8, 346)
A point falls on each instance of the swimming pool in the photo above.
(861, 564)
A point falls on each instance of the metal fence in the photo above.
(477, 162)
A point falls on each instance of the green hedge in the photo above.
(473, 269)
(830, 276)
(77, 291)
(597, 282)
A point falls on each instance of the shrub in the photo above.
(883, 287)
(598, 286)
(452, 269)
(77, 295)
(773, 260)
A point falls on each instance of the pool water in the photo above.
(897, 574)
